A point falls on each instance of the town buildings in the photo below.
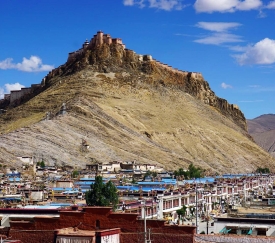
(50, 195)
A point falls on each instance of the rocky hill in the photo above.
(262, 129)
(126, 107)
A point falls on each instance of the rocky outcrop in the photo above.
(104, 55)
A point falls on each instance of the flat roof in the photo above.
(248, 226)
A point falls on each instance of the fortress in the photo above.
(106, 54)
(100, 38)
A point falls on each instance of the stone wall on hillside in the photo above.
(16, 96)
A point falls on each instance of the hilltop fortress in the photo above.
(100, 39)
(105, 54)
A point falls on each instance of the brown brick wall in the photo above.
(41, 229)
(4, 231)
(32, 236)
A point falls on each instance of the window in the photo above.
(261, 232)
(97, 224)
(232, 231)
(244, 231)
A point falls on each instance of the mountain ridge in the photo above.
(262, 129)
(105, 57)
(128, 107)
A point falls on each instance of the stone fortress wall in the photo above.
(100, 38)
(18, 94)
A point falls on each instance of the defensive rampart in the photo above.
(16, 95)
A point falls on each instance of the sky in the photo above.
(231, 42)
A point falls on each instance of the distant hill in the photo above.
(262, 129)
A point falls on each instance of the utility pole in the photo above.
(233, 196)
(149, 236)
(244, 192)
(197, 209)
(152, 206)
(145, 230)
(207, 219)
(144, 214)
(145, 226)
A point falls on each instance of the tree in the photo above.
(41, 164)
(75, 174)
(263, 170)
(191, 172)
(150, 173)
(192, 211)
(181, 212)
(102, 194)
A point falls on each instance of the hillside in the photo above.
(262, 129)
(127, 107)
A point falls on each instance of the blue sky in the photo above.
(231, 42)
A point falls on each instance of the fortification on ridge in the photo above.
(106, 54)
(100, 38)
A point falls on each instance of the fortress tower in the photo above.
(99, 39)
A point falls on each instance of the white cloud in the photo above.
(226, 86)
(254, 86)
(2, 92)
(261, 14)
(167, 5)
(134, 2)
(262, 52)
(7, 64)
(249, 5)
(210, 6)
(219, 38)
(271, 5)
(128, 2)
(34, 64)
(218, 26)
(220, 34)
(8, 87)
(15, 86)
(238, 48)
